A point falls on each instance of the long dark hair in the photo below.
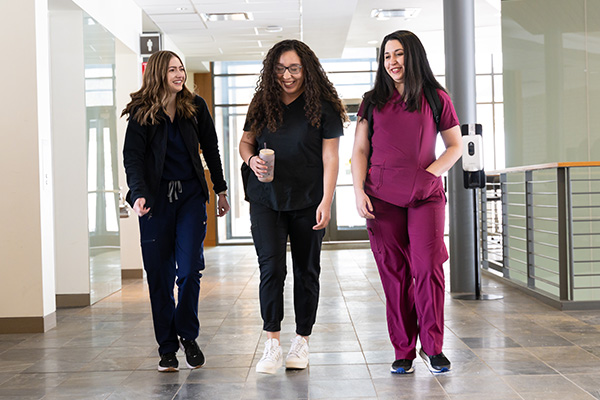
(417, 73)
(266, 108)
(147, 104)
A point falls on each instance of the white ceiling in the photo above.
(329, 27)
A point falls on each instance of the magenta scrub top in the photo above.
(403, 146)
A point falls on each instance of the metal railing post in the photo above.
(564, 272)
(505, 248)
(484, 230)
(529, 236)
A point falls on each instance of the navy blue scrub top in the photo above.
(178, 163)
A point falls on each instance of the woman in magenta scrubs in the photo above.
(399, 191)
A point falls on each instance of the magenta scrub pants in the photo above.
(408, 246)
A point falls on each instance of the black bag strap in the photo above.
(369, 118)
(433, 98)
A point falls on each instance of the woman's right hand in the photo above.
(258, 165)
(363, 205)
(139, 206)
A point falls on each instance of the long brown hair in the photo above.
(266, 108)
(148, 103)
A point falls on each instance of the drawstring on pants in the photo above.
(174, 188)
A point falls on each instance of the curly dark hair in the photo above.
(147, 104)
(266, 108)
(417, 73)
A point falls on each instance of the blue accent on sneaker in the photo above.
(436, 364)
(402, 366)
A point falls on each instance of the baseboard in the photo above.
(28, 324)
(72, 300)
(132, 273)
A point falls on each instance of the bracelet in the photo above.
(248, 162)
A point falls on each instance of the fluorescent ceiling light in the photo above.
(382, 13)
(273, 28)
(213, 17)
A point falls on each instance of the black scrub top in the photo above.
(298, 173)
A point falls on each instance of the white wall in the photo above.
(128, 79)
(122, 18)
(70, 152)
(45, 155)
(26, 233)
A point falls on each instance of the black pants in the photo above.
(172, 236)
(270, 230)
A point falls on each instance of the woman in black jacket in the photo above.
(168, 191)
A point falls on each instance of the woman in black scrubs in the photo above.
(296, 112)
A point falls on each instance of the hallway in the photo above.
(514, 348)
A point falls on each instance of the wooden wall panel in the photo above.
(203, 88)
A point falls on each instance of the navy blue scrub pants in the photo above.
(172, 236)
(270, 231)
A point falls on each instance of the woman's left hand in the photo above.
(222, 205)
(323, 216)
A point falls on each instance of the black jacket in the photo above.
(145, 148)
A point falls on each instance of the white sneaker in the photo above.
(297, 358)
(271, 359)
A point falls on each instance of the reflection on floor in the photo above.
(514, 348)
(105, 272)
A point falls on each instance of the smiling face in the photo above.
(175, 76)
(292, 84)
(394, 61)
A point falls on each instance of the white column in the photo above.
(69, 146)
(27, 294)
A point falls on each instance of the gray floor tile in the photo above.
(329, 372)
(340, 388)
(210, 391)
(550, 386)
(489, 342)
(411, 386)
(482, 386)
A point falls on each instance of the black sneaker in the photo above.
(193, 355)
(436, 364)
(402, 366)
(168, 363)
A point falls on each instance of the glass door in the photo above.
(103, 183)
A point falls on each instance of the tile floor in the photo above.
(513, 348)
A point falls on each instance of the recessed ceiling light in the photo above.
(213, 17)
(373, 41)
(181, 9)
(273, 28)
(382, 13)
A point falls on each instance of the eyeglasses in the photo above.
(294, 69)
